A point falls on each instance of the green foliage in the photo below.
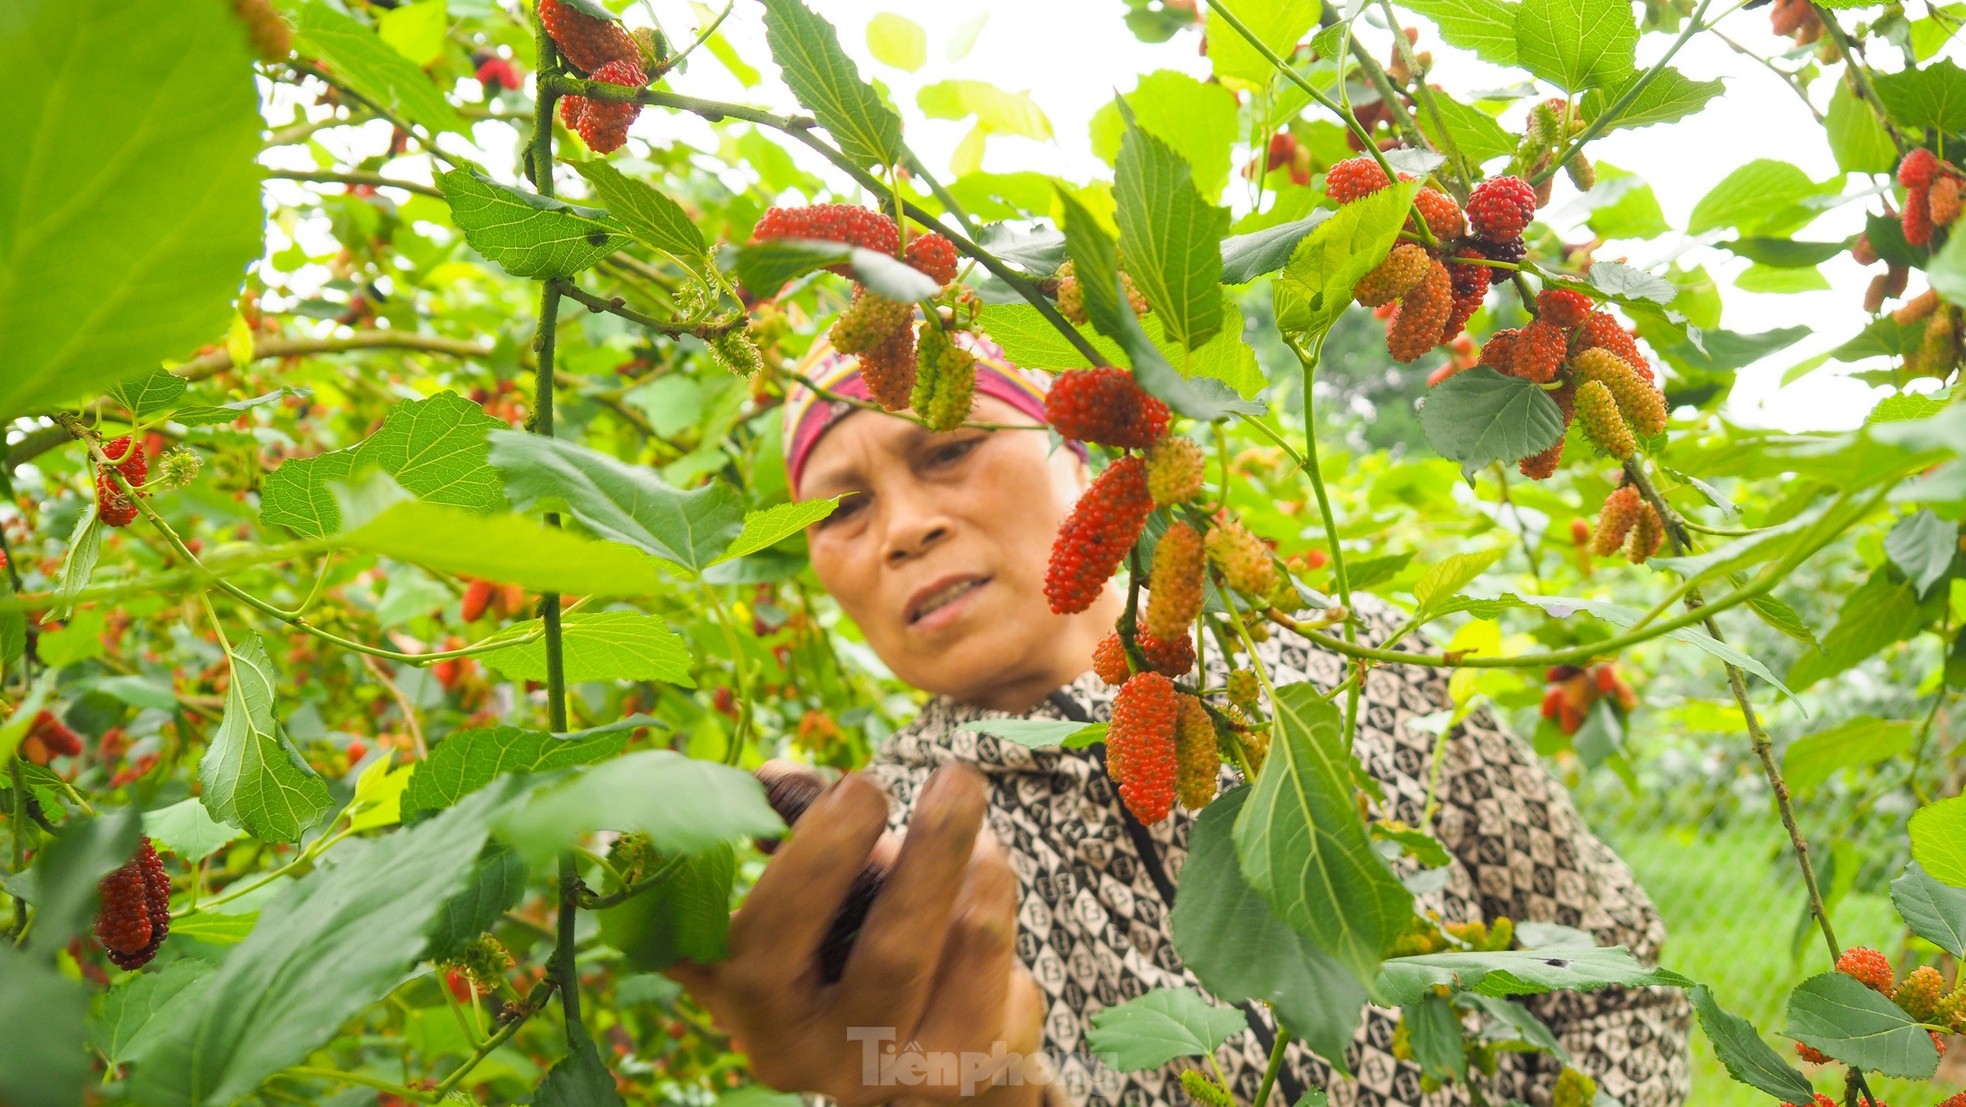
(1846, 1020)
(1164, 1024)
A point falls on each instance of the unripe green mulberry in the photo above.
(869, 321)
(1244, 690)
(1615, 521)
(735, 350)
(1573, 1089)
(1639, 400)
(1203, 1090)
(1951, 1011)
(1597, 410)
(1920, 992)
(1197, 758)
(1174, 584)
(1174, 470)
(945, 380)
(1242, 558)
(1394, 277)
(1582, 173)
(485, 961)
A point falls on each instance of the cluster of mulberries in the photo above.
(115, 507)
(1096, 536)
(1172, 657)
(1628, 521)
(603, 124)
(1932, 195)
(1601, 378)
(1140, 745)
(1071, 295)
(606, 52)
(1938, 351)
(48, 737)
(135, 913)
(1572, 690)
(863, 227)
(1434, 294)
(945, 380)
(1921, 994)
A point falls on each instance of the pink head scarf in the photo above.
(808, 415)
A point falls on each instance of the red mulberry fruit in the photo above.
(135, 914)
(848, 223)
(1172, 656)
(573, 113)
(1174, 583)
(889, 370)
(1498, 353)
(934, 255)
(1597, 409)
(1539, 352)
(870, 320)
(1919, 169)
(1197, 758)
(477, 597)
(1464, 306)
(1140, 754)
(588, 43)
(1353, 179)
(1444, 217)
(603, 124)
(1421, 318)
(1648, 533)
(1602, 330)
(1918, 216)
(1405, 267)
(1943, 202)
(1615, 520)
(1563, 308)
(1104, 406)
(114, 508)
(1242, 558)
(1109, 660)
(1096, 536)
(1501, 208)
(128, 459)
(1871, 968)
(945, 380)
(1174, 470)
(1542, 466)
(1919, 993)
(1811, 1055)
(1510, 250)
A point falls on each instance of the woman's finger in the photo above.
(969, 1001)
(888, 974)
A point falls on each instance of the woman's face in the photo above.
(938, 551)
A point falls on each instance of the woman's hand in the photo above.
(933, 973)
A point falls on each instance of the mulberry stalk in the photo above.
(1104, 406)
(1096, 536)
(1174, 595)
(1140, 750)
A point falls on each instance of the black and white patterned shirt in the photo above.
(1093, 922)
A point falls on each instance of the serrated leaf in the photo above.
(1747, 1058)
(253, 778)
(496, 885)
(1479, 417)
(1938, 839)
(618, 501)
(686, 918)
(139, 1009)
(506, 549)
(1669, 96)
(1278, 24)
(1028, 339)
(580, 1079)
(1239, 949)
(1785, 252)
(216, 929)
(1930, 96)
(767, 528)
(154, 392)
(1486, 27)
(648, 216)
(684, 806)
(1839, 1016)
(890, 276)
(1923, 546)
(1763, 197)
(1156, 1028)
(526, 234)
(1783, 618)
(468, 760)
(765, 267)
(329, 944)
(1315, 288)
(1520, 972)
(79, 562)
(1577, 44)
(1368, 572)
(597, 645)
(1474, 132)
(1170, 238)
(1445, 579)
(1615, 278)
(1934, 911)
(186, 830)
(1877, 614)
(1856, 137)
(1246, 257)
(1813, 759)
(373, 69)
(130, 220)
(1304, 847)
(1196, 119)
(825, 80)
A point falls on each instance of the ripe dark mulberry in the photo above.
(135, 913)
(848, 223)
(1174, 584)
(1096, 536)
(1420, 319)
(934, 255)
(1501, 208)
(1510, 250)
(1140, 753)
(586, 42)
(1353, 179)
(1104, 406)
(1869, 967)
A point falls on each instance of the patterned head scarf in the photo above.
(808, 415)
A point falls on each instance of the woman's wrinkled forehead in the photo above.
(813, 410)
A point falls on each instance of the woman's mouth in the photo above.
(943, 602)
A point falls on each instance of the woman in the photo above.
(938, 551)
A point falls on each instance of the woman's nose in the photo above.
(913, 541)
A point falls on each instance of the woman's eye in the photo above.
(850, 505)
(952, 452)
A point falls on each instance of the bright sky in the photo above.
(1073, 55)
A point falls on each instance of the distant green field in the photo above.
(1708, 887)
